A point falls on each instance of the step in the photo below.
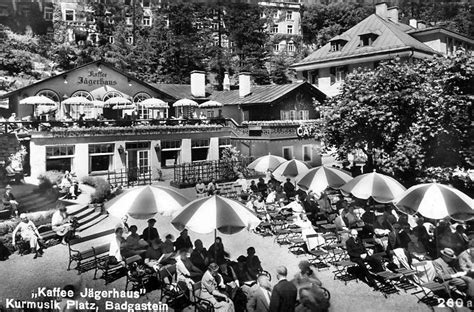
(84, 214)
(37, 201)
(89, 218)
(74, 210)
(91, 224)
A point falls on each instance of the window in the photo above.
(367, 40)
(223, 144)
(128, 20)
(289, 29)
(307, 155)
(143, 112)
(303, 114)
(274, 29)
(130, 40)
(49, 94)
(289, 15)
(111, 39)
(59, 157)
(170, 152)
(290, 47)
(199, 149)
(275, 14)
(69, 15)
(111, 94)
(75, 110)
(276, 47)
(314, 77)
(337, 45)
(215, 26)
(48, 14)
(101, 157)
(146, 21)
(137, 145)
(338, 74)
(287, 152)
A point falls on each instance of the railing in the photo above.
(188, 174)
(130, 177)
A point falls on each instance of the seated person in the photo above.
(29, 233)
(254, 267)
(253, 187)
(18, 174)
(154, 256)
(199, 256)
(183, 241)
(217, 253)
(134, 243)
(168, 244)
(150, 233)
(369, 217)
(200, 187)
(259, 204)
(242, 182)
(182, 273)
(62, 224)
(210, 290)
(9, 200)
(351, 219)
(324, 204)
(459, 240)
(466, 258)
(240, 269)
(262, 187)
(271, 197)
(339, 221)
(289, 188)
(306, 275)
(212, 188)
(280, 196)
(250, 202)
(116, 248)
(359, 255)
(67, 186)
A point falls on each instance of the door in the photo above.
(143, 162)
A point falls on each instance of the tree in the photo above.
(406, 116)
(322, 22)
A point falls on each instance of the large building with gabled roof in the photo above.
(378, 37)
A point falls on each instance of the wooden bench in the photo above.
(86, 259)
(111, 272)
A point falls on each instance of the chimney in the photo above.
(392, 14)
(226, 82)
(198, 83)
(413, 23)
(421, 25)
(381, 9)
(244, 84)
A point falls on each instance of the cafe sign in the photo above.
(305, 131)
(96, 79)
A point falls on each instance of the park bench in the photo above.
(111, 272)
(229, 189)
(87, 259)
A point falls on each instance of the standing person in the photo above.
(254, 267)
(116, 245)
(29, 233)
(284, 293)
(259, 300)
(183, 241)
(150, 233)
(9, 200)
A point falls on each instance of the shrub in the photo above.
(102, 189)
(48, 179)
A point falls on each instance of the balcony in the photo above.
(275, 128)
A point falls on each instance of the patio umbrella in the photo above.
(290, 169)
(38, 100)
(77, 100)
(145, 202)
(153, 103)
(210, 104)
(185, 103)
(380, 187)
(118, 100)
(214, 213)
(265, 163)
(99, 104)
(320, 178)
(436, 201)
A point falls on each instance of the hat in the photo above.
(8, 187)
(23, 215)
(213, 267)
(449, 253)
(152, 221)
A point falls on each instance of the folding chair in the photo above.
(429, 290)
(341, 273)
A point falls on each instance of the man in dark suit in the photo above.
(284, 293)
(259, 300)
(150, 233)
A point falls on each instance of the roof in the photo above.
(261, 94)
(179, 91)
(102, 63)
(434, 29)
(392, 36)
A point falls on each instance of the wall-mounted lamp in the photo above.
(129, 82)
(99, 68)
(157, 148)
(65, 96)
(121, 150)
(65, 79)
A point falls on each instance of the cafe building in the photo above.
(256, 119)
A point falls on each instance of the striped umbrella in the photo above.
(185, 103)
(214, 213)
(380, 187)
(265, 163)
(144, 202)
(290, 169)
(436, 201)
(320, 178)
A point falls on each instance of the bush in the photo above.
(48, 179)
(102, 189)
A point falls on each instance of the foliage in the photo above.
(406, 116)
(48, 179)
(102, 189)
(322, 22)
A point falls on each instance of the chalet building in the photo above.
(256, 119)
(378, 37)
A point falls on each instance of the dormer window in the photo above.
(337, 45)
(366, 40)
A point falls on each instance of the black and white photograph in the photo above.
(236, 155)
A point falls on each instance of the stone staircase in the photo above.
(86, 215)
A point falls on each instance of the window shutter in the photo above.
(332, 71)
